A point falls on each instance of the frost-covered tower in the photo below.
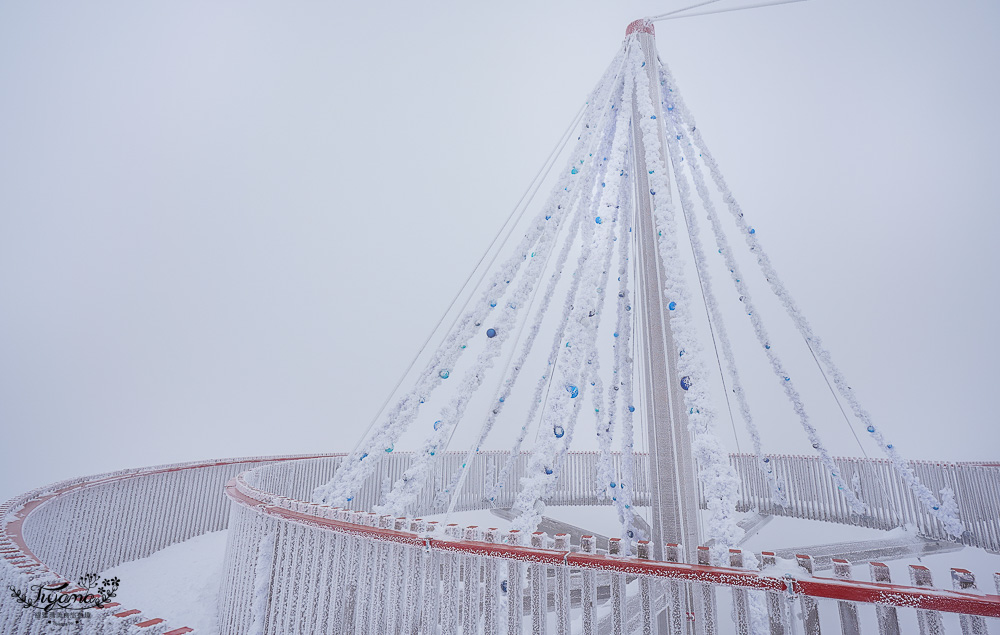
(672, 473)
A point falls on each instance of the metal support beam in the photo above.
(673, 477)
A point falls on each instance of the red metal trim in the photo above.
(152, 622)
(179, 631)
(641, 25)
(837, 589)
(128, 612)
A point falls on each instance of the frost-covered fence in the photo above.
(891, 503)
(577, 485)
(90, 524)
(293, 566)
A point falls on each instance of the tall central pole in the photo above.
(673, 479)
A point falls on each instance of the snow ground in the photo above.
(179, 583)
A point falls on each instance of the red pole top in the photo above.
(641, 25)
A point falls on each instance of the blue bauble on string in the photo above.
(491, 333)
(548, 470)
(573, 391)
(613, 484)
(573, 171)
(753, 231)
(598, 220)
(493, 304)
(685, 382)
(444, 374)
(437, 424)
(871, 428)
(672, 306)
(363, 456)
(558, 431)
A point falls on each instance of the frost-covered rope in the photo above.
(535, 183)
(674, 130)
(580, 334)
(787, 385)
(621, 491)
(949, 521)
(540, 396)
(355, 469)
(503, 393)
(717, 476)
(406, 490)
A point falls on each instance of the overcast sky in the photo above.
(226, 227)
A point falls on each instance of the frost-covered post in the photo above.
(617, 590)
(776, 615)
(671, 464)
(888, 621)
(741, 601)
(929, 621)
(588, 592)
(470, 590)
(645, 591)
(562, 600)
(849, 624)
(963, 580)
(432, 585)
(491, 619)
(515, 595)
(675, 591)
(810, 609)
(539, 602)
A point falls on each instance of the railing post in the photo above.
(397, 561)
(470, 589)
(963, 580)
(706, 619)
(810, 609)
(562, 600)
(741, 602)
(449, 596)
(929, 621)
(432, 586)
(888, 621)
(412, 609)
(849, 624)
(775, 607)
(588, 592)
(515, 594)
(617, 590)
(646, 592)
(491, 593)
(539, 594)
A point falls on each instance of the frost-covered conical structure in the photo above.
(601, 317)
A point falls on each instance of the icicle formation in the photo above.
(717, 476)
(947, 517)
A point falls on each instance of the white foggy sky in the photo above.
(226, 227)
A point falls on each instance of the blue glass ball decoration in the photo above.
(558, 431)
(573, 171)
(444, 374)
(613, 484)
(685, 382)
(871, 428)
(573, 391)
(548, 470)
(493, 304)
(598, 220)
(491, 333)
(631, 408)
(672, 306)
(753, 231)
(437, 424)
(363, 456)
